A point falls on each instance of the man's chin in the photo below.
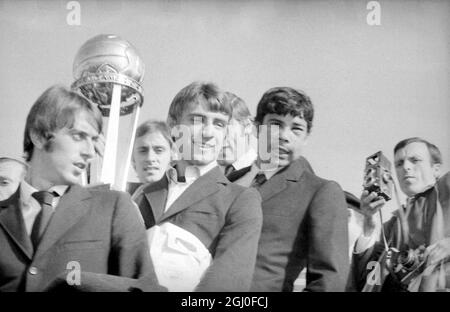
(153, 178)
(410, 191)
(201, 161)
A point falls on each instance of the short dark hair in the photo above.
(54, 110)
(283, 101)
(241, 113)
(435, 153)
(152, 126)
(205, 93)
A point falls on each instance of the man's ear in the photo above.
(436, 170)
(38, 141)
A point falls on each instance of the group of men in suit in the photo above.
(254, 229)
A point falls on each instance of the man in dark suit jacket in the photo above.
(196, 197)
(422, 226)
(304, 216)
(51, 225)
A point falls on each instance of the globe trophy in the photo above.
(109, 72)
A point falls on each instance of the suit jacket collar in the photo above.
(156, 194)
(72, 206)
(204, 186)
(11, 220)
(279, 181)
(132, 187)
(236, 175)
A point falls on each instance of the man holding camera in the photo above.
(414, 249)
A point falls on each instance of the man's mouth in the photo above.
(80, 165)
(283, 150)
(151, 168)
(205, 146)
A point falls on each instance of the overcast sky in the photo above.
(372, 85)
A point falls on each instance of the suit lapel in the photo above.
(156, 194)
(236, 175)
(203, 187)
(72, 206)
(279, 181)
(11, 220)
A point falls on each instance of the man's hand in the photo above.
(438, 251)
(370, 204)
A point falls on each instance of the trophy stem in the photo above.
(122, 183)
(109, 161)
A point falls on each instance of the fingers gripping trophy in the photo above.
(109, 72)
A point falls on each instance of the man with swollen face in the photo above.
(52, 225)
(304, 216)
(214, 224)
(421, 226)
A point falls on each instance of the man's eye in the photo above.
(221, 124)
(159, 150)
(78, 136)
(4, 183)
(298, 129)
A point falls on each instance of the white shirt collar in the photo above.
(191, 173)
(26, 190)
(267, 171)
(245, 160)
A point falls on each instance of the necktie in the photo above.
(259, 180)
(229, 169)
(45, 199)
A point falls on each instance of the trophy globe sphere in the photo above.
(104, 61)
(108, 53)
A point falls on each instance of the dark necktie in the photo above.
(229, 169)
(45, 199)
(259, 180)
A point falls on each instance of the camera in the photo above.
(406, 264)
(377, 175)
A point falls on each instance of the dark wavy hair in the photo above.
(283, 101)
(435, 153)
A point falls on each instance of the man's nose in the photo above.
(407, 166)
(151, 156)
(88, 151)
(207, 130)
(283, 134)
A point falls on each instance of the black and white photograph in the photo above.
(247, 147)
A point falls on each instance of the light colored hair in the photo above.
(22, 163)
(241, 113)
(152, 126)
(206, 94)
